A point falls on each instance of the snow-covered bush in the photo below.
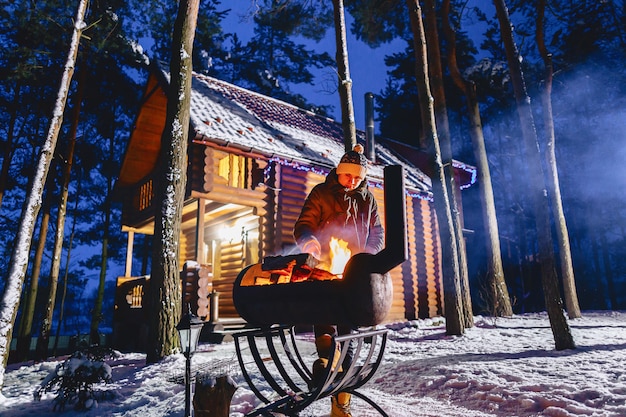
(73, 380)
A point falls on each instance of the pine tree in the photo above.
(436, 80)
(565, 253)
(164, 296)
(498, 291)
(272, 62)
(345, 81)
(560, 329)
(453, 304)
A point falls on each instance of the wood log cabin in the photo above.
(252, 160)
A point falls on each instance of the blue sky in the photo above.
(367, 66)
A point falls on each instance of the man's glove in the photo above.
(312, 246)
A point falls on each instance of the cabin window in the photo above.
(134, 297)
(230, 169)
(145, 195)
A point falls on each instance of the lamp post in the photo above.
(189, 329)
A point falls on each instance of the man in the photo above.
(342, 207)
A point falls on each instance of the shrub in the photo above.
(73, 380)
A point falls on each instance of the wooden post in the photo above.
(212, 396)
(200, 258)
(129, 253)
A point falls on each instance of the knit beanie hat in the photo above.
(353, 162)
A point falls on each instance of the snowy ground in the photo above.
(504, 367)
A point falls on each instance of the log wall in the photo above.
(295, 186)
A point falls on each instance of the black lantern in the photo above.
(189, 329)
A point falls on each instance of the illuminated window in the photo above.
(230, 169)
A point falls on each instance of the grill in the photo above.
(291, 290)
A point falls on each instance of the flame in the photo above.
(339, 255)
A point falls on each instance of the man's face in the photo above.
(349, 181)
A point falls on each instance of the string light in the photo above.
(468, 169)
(308, 168)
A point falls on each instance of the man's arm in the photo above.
(307, 224)
(376, 235)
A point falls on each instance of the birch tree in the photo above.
(19, 257)
(164, 295)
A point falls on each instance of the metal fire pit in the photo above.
(359, 299)
(362, 297)
(276, 356)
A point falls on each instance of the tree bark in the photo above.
(596, 270)
(46, 324)
(453, 304)
(498, 292)
(562, 234)
(164, 295)
(212, 397)
(345, 82)
(435, 73)
(608, 271)
(30, 300)
(96, 316)
(19, 256)
(560, 329)
(68, 256)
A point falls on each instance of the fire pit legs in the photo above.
(277, 357)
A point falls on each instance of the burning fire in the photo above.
(300, 267)
(339, 255)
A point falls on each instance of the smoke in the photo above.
(590, 121)
(589, 110)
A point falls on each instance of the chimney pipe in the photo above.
(396, 248)
(370, 151)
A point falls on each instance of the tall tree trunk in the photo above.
(453, 304)
(345, 82)
(96, 317)
(608, 271)
(19, 257)
(28, 311)
(165, 290)
(46, 324)
(565, 253)
(560, 329)
(499, 293)
(596, 271)
(435, 73)
(68, 256)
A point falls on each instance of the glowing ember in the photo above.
(339, 255)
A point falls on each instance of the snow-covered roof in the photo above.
(228, 115)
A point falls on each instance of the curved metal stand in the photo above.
(276, 356)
